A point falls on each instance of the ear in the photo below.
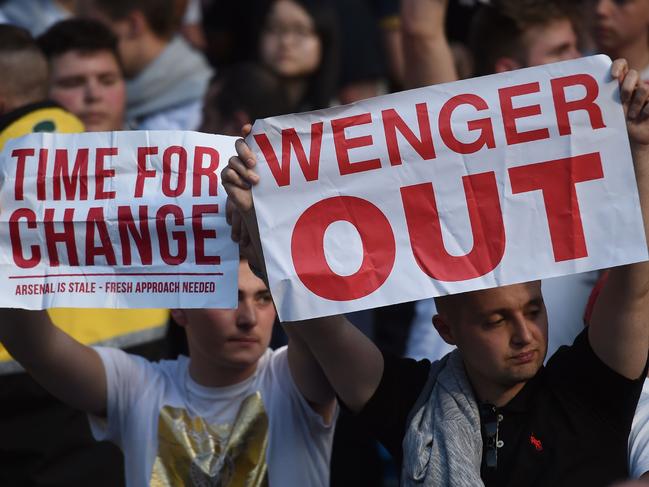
(444, 330)
(137, 24)
(180, 317)
(504, 64)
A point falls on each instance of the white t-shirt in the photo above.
(174, 432)
(639, 436)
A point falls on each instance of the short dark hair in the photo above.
(23, 66)
(84, 35)
(163, 16)
(246, 87)
(497, 29)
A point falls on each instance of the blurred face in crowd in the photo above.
(550, 43)
(501, 334)
(91, 86)
(127, 31)
(225, 344)
(290, 45)
(619, 23)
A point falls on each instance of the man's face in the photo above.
(91, 86)
(619, 23)
(128, 43)
(550, 43)
(502, 335)
(233, 339)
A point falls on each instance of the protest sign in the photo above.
(116, 220)
(445, 189)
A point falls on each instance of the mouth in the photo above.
(93, 117)
(524, 357)
(244, 340)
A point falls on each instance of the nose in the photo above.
(603, 7)
(246, 314)
(92, 91)
(522, 331)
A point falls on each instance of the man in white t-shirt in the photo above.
(234, 412)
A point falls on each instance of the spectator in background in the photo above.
(36, 15)
(516, 34)
(298, 41)
(621, 30)
(242, 94)
(166, 78)
(24, 107)
(85, 73)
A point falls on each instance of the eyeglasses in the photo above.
(296, 31)
(490, 419)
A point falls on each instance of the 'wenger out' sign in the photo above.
(116, 219)
(445, 189)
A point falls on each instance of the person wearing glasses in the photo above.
(490, 413)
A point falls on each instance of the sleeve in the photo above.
(127, 377)
(639, 437)
(284, 377)
(578, 374)
(385, 414)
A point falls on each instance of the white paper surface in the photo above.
(339, 204)
(172, 248)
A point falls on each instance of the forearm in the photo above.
(309, 376)
(350, 361)
(69, 370)
(427, 55)
(619, 331)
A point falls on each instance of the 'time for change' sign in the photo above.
(116, 219)
(450, 188)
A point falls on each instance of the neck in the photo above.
(150, 48)
(636, 53)
(295, 90)
(487, 391)
(210, 375)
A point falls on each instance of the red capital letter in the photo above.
(307, 248)
(484, 125)
(79, 175)
(167, 171)
(14, 234)
(21, 155)
(142, 171)
(587, 103)
(310, 168)
(200, 234)
(105, 247)
(343, 144)
(393, 122)
(209, 171)
(179, 236)
(142, 238)
(101, 173)
(557, 179)
(425, 229)
(511, 114)
(66, 236)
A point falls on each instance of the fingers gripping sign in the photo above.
(238, 178)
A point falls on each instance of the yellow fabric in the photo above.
(85, 325)
(97, 325)
(61, 121)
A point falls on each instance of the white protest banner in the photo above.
(450, 188)
(116, 220)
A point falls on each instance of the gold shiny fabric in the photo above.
(194, 453)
